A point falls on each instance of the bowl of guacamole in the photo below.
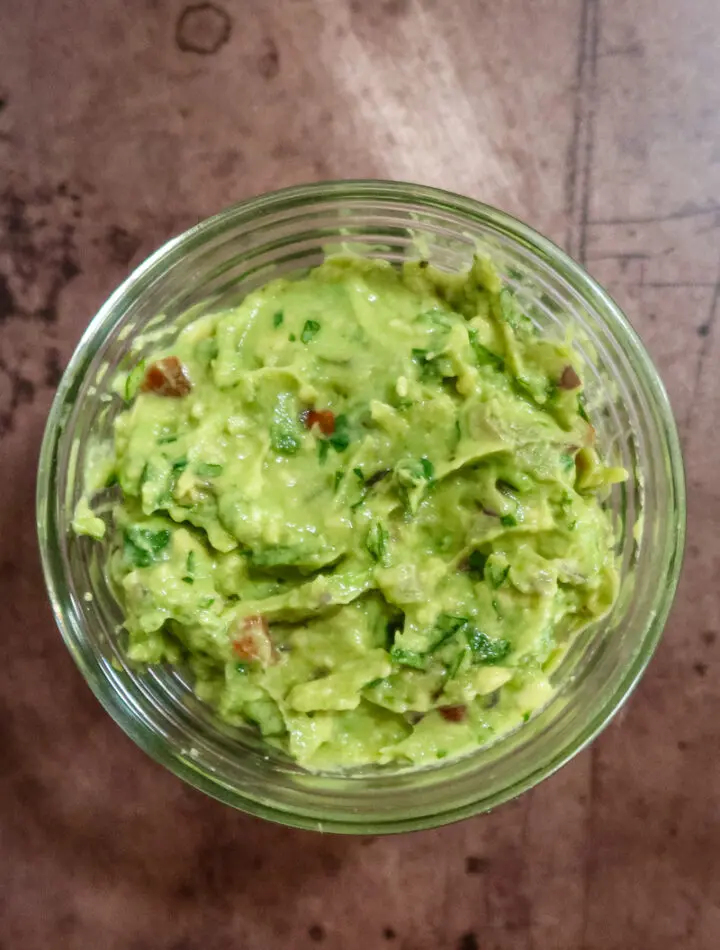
(361, 506)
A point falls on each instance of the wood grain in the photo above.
(121, 124)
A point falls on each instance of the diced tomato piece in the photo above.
(569, 379)
(253, 641)
(324, 419)
(167, 377)
(453, 713)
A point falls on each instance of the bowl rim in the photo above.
(399, 192)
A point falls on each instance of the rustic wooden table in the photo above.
(120, 125)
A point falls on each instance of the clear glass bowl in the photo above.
(217, 263)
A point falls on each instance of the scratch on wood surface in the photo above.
(679, 215)
(578, 181)
(705, 331)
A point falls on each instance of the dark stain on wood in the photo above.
(202, 28)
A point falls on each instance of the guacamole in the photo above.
(363, 508)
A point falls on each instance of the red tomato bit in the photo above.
(167, 377)
(253, 641)
(324, 419)
(569, 379)
(453, 713)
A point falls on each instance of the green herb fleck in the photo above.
(142, 546)
(283, 439)
(208, 470)
(292, 338)
(340, 439)
(413, 472)
(339, 475)
(189, 577)
(358, 472)
(452, 669)
(567, 461)
(581, 407)
(487, 649)
(134, 378)
(179, 465)
(408, 658)
(375, 682)
(146, 475)
(323, 447)
(376, 542)
(360, 501)
(310, 330)
(446, 626)
(278, 319)
(496, 570)
(167, 439)
(242, 668)
(508, 521)
(484, 356)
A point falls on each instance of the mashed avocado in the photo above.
(364, 508)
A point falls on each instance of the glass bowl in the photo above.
(216, 263)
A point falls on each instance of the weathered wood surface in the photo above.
(121, 124)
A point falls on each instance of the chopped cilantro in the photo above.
(134, 378)
(408, 658)
(428, 468)
(179, 465)
(581, 407)
(189, 577)
(413, 472)
(446, 626)
(339, 475)
(283, 439)
(323, 447)
(142, 546)
(567, 461)
(359, 473)
(375, 682)
(496, 570)
(310, 330)
(376, 542)
(487, 649)
(484, 356)
(208, 470)
(508, 521)
(278, 319)
(340, 439)
(452, 669)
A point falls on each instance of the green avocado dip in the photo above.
(363, 508)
